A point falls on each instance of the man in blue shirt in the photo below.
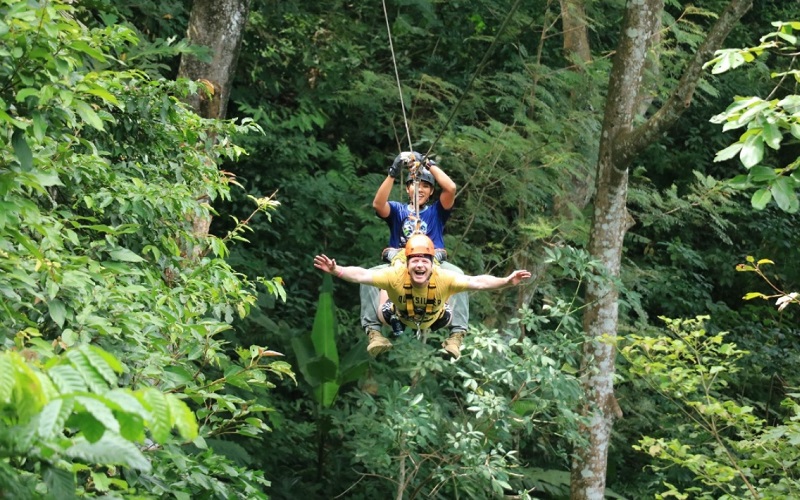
(403, 222)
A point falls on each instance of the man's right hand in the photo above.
(404, 158)
(397, 164)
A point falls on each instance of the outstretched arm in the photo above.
(354, 274)
(489, 282)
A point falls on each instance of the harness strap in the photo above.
(429, 303)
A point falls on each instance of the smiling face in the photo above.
(424, 193)
(420, 268)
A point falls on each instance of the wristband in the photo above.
(340, 273)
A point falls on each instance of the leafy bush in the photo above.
(111, 301)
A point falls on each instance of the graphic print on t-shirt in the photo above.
(410, 227)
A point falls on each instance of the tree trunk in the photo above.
(620, 143)
(576, 47)
(218, 25)
(576, 34)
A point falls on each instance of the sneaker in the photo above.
(453, 344)
(378, 344)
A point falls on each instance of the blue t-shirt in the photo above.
(402, 223)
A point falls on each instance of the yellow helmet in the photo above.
(419, 244)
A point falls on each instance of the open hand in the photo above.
(517, 276)
(323, 263)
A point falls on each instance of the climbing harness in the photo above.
(418, 316)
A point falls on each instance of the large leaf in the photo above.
(67, 379)
(761, 198)
(105, 364)
(762, 174)
(783, 190)
(94, 380)
(111, 449)
(22, 150)
(304, 352)
(60, 483)
(53, 417)
(100, 411)
(160, 422)
(323, 333)
(753, 151)
(183, 418)
(6, 378)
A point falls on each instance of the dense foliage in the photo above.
(116, 330)
(134, 358)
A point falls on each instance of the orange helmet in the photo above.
(419, 244)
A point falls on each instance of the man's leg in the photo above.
(369, 318)
(459, 322)
(459, 304)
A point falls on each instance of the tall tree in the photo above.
(620, 144)
(219, 26)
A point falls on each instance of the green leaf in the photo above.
(60, 483)
(762, 174)
(90, 428)
(125, 255)
(127, 402)
(6, 378)
(88, 115)
(784, 194)
(131, 427)
(67, 379)
(39, 126)
(761, 198)
(772, 135)
(160, 422)
(183, 418)
(53, 417)
(326, 393)
(47, 179)
(93, 379)
(57, 312)
(111, 449)
(103, 94)
(96, 358)
(95, 406)
(110, 360)
(27, 397)
(22, 150)
(729, 152)
(323, 332)
(753, 151)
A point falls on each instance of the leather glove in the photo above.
(404, 158)
(397, 164)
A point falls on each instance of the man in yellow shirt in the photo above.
(418, 289)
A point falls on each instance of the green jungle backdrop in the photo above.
(143, 356)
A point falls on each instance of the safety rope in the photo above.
(478, 70)
(397, 76)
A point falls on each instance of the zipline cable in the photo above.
(405, 119)
(478, 70)
(397, 76)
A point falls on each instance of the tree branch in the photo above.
(639, 138)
